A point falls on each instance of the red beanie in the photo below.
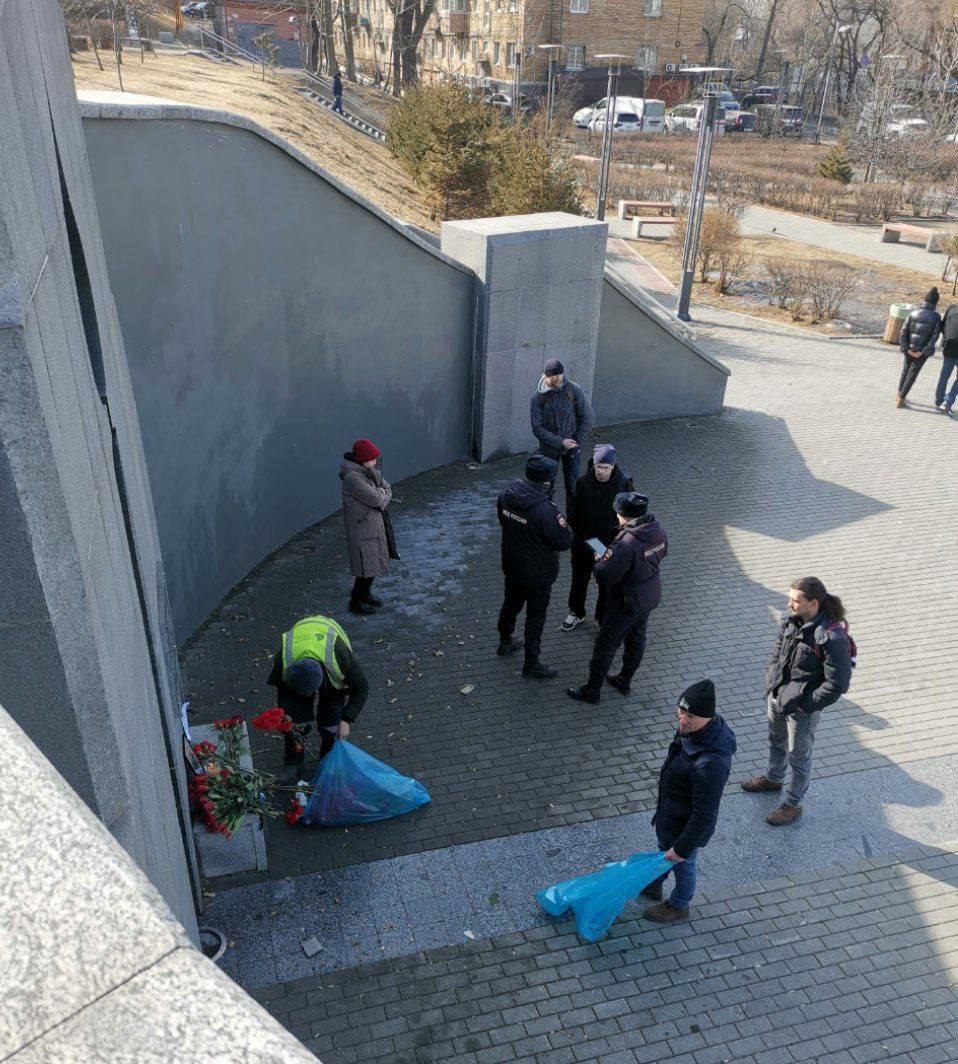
(365, 451)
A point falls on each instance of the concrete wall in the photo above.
(95, 967)
(87, 664)
(646, 365)
(270, 318)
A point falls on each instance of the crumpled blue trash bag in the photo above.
(352, 787)
(597, 899)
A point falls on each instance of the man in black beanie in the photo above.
(691, 782)
(628, 572)
(533, 532)
(919, 335)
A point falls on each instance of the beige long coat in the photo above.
(366, 494)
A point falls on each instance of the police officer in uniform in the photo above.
(629, 573)
(533, 532)
(315, 673)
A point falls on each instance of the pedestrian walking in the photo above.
(809, 670)
(944, 396)
(594, 518)
(629, 573)
(338, 93)
(691, 783)
(366, 494)
(533, 532)
(562, 418)
(918, 337)
(317, 677)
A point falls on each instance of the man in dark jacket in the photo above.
(337, 93)
(945, 397)
(918, 337)
(691, 782)
(562, 418)
(533, 531)
(629, 572)
(595, 518)
(316, 674)
(809, 670)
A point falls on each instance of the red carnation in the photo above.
(295, 812)
(227, 722)
(273, 720)
(204, 749)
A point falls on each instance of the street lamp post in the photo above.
(703, 155)
(615, 65)
(828, 77)
(553, 50)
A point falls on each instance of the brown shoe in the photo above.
(899, 401)
(760, 783)
(785, 814)
(663, 913)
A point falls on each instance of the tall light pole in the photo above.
(615, 66)
(828, 77)
(553, 53)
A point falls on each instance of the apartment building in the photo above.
(480, 41)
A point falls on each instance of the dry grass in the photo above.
(879, 284)
(356, 160)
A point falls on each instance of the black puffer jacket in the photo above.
(533, 531)
(810, 667)
(921, 330)
(691, 782)
(592, 505)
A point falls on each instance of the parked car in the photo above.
(200, 9)
(764, 94)
(626, 121)
(650, 112)
(502, 101)
(726, 97)
(687, 118)
(740, 122)
(786, 118)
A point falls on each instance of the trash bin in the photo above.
(897, 313)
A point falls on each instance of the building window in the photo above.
(653, 8)
(646, 58)
(575, 57)
(510, 54)
(495, 53)
(578, 7)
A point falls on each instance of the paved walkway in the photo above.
(862, 240)
(809, 469)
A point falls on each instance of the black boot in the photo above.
(535, 670)
(362, 608)
(508, 645)
(620, 683)
(371, 600)
(585, 693)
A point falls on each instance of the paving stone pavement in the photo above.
(809, 469)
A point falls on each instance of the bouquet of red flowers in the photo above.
(273, 720)
(225, 791)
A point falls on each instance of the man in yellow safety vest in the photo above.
(315, 673)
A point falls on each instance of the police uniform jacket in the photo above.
(810, 667)
(629, 569)
(533, 531)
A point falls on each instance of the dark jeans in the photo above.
(362, 586)
(684, 872)
(338, 103)
(535, 599)
(570, 474)
(909, 373)
(583, 562)
(949, 396)
(618, 626)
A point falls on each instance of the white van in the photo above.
(632, 114)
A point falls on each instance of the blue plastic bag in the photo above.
(597, 899)
(351, 787)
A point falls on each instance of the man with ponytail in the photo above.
(810, 669)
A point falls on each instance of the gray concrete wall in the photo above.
(87, 664)
(646, 366)
(95, 966)
(270, 318)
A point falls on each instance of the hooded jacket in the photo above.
(366, 493)
(691, 782)
(558, 414)
(629, 569)
(533, 531)
(592, 505)
(810, 667)
(921, 330)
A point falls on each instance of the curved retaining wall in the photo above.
(270, 317)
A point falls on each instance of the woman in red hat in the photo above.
(366, 494)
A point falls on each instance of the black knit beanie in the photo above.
(932, 296)
(699, 699)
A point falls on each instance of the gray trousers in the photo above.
(790, 742)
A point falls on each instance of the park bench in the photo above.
(628, 207)
(639, 222)
(892, 232)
